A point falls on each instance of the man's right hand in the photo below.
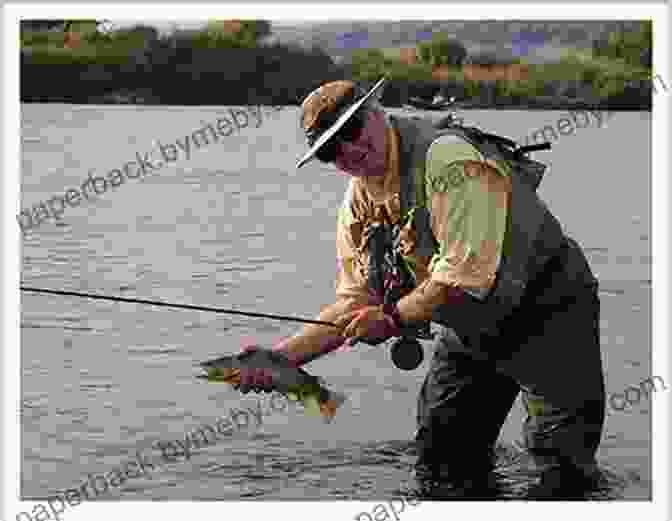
(313, 342)
(259, 379)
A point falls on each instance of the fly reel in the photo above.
(407, 353)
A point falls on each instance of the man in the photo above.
(513, 297)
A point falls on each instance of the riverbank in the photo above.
(148, 98)
(280, 76)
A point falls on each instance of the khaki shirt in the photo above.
(468, 199)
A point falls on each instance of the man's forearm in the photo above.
(314, 339)
(420, 304)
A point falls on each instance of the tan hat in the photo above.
(327, 109)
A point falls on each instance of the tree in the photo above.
(238, 33)
(368, 63)
(447, 51)
(633, 47)
(425, 52)
(441, 50)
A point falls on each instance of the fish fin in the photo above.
(329, 407)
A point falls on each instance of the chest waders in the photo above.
(389, 274)
(535, 333)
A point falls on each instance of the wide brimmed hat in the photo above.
(335, 100)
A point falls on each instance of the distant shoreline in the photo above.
(401, 110)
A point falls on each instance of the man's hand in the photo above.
(261, 378)
(369, 321)
(316, 340)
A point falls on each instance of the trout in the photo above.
(293, 382)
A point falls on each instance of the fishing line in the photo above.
(176, 306)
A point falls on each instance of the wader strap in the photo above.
(412, 159)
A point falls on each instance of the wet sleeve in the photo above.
(468, 202)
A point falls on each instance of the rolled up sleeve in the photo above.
(469, 203)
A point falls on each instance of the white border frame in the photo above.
(341, 511)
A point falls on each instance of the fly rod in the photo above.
(176, 306)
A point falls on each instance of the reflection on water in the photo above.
(236, 226)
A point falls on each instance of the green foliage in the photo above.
(45, 32)
(30, 37)
(425, 52)
(447, 51)
(118, 47)
(368, 55)
(123, 39)
(210, 40)
(371, 64)
(516, 89)
(82, 26)
(216, 374)
(96, 38)
(441, 50)
(282, 74)
(471, 88)
(632, 47)
(82, 55)
(607, 76)
(403, 71)
(138, 34)
(248, 35)
(368, 64)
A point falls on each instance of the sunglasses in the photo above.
(347, 134)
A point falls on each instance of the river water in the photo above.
(234, 225)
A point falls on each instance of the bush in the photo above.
(491, 58)
(96, 38)
(608, 77)
(441, 50)
(206, 39)
(247, 36)
(29, 38)
(514, 89)
(139, 34)
(82, 55)
(92, 41)
(368, 64)
(403, 71)
(425, 52)
(449, 52)
(471, 88)
(632, 47)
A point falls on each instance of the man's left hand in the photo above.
(370, 322)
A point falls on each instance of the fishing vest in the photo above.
(533, 235)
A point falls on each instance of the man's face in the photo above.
(365, 157)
